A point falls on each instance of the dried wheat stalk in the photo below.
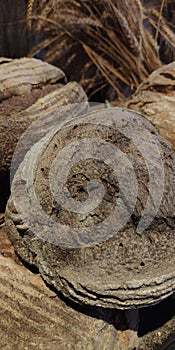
(121, 39)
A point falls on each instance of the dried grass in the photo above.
(105, 43)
